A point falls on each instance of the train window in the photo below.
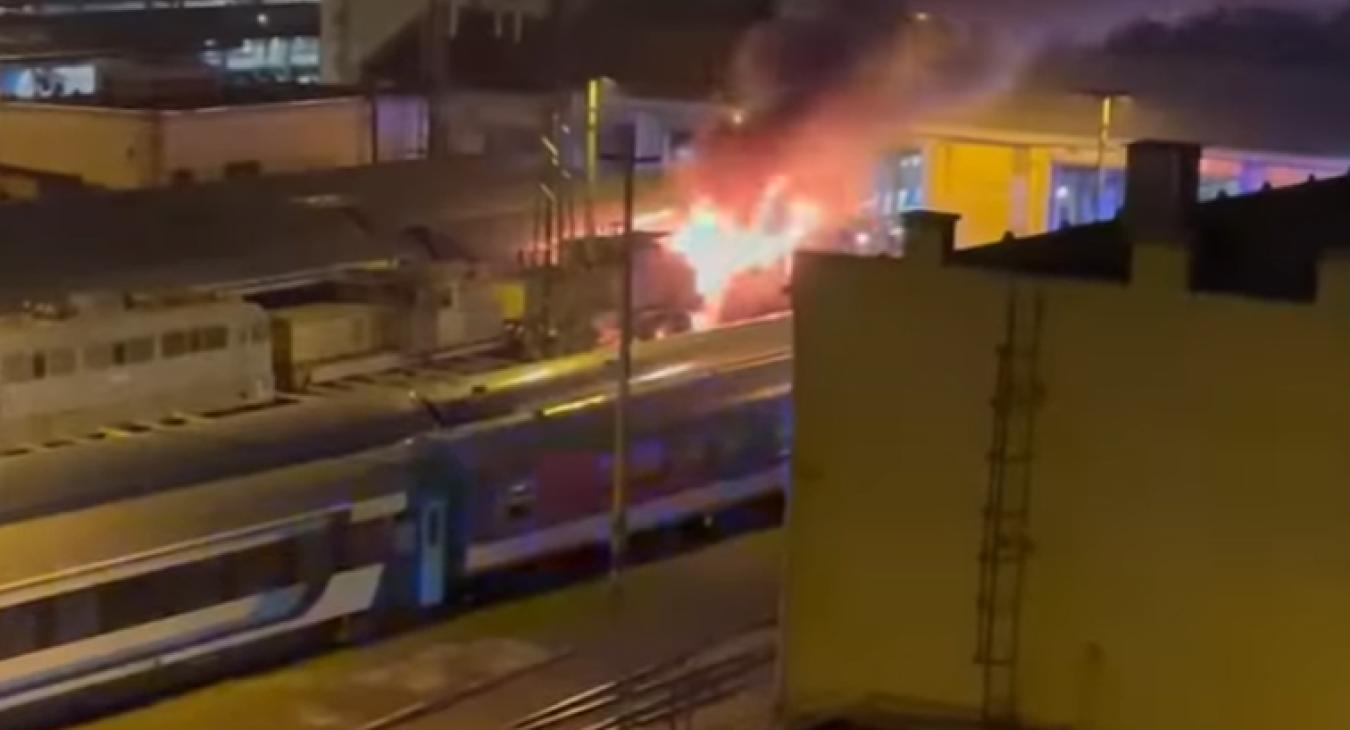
(21, 629)
(98, 357)
(192, 587)
(137, 350)
(365, 543)
(174, 344)
(17, 368)
(125, 603)
(520, 500)
(60, 361)
(210, 338)
(75, 616)
(265, 567)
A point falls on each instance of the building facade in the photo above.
(1089, 479)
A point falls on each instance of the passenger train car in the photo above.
(101, 363)
(124, 599)
(341, 421)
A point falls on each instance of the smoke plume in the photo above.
(822, 93)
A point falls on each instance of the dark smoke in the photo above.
(788, 66)
(824, 89)
(1040, 21)
(1267, 36)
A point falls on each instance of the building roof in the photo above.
(1266, 244)
(256, 228)
(1221, 104)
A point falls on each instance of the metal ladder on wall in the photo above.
(1005, 542)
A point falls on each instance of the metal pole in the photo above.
(1103, 140)
(593, 100)
(438, 33)
(619, 503)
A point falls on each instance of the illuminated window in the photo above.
(1214, 187)
(1073, 193)
(900, 183)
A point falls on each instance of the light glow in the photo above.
(721, 246)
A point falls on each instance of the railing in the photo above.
(668, 693)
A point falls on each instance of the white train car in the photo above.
(97, 364)
(118, 601)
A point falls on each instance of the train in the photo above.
(99, 363)
(128, 598)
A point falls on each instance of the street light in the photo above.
(618, 535)
(1107, 100)
(595, 99)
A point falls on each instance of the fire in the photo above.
(724, 247)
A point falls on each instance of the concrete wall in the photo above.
(123, 149)
(291, 137)
(1189, 506)
(105, 147)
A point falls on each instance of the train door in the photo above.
(431, 552)
(439, 539)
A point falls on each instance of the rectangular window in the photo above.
(206, 339)
(1073, 195)
(21, 629)
(1211, 188)
(139, 350)
(900, 183)
(16, 368)
(366, 543)
(60, 361)
(264, 567)
(75, 616)
(174, 344)
(99, 357)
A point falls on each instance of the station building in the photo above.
(1090, 478)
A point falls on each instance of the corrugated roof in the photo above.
(257, 228)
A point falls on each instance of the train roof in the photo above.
(57, 542)
(145, 522)
(80, 473)
(242, 230)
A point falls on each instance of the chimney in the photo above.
(930, 236)
(1162, 183)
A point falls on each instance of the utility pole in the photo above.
(594, 91)
(1106, 119)
(618, 535)
(436, 58)
(619, 505)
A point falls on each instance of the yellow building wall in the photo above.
(977, 181)
(104, 147)
(291, 137)
(1190, 551)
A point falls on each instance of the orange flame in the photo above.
(722, 248)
